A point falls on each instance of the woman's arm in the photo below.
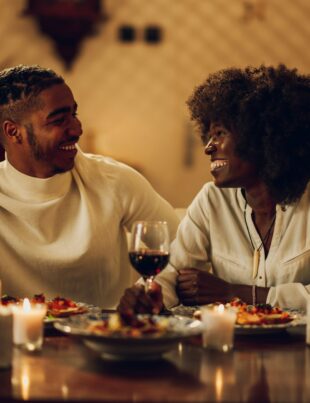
(198, 287)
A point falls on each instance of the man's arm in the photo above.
(140, 201)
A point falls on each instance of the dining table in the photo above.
(271, 366)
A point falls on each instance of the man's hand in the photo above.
(136, 300)
(197, 287)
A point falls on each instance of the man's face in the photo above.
(227, 169)
(50, 134)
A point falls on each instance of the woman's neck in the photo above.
(260, 201)
(263, 213)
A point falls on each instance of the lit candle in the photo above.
(5, 336)
(28, 325)
(219, 324)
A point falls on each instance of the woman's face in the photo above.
(227, 169)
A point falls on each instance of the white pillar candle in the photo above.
(6, 338)
(28, 325)
(219, 324)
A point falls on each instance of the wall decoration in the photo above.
(254, 9)
(67, 22)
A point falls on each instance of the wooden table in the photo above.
(269, 368)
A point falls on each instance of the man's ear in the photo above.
(12, 132)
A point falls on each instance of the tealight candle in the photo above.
(219, 325)
(6, 339)
(28, 325)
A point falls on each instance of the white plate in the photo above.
(264, 329)
(299, 320)
(90, 309)
(185, 310)
(117, 347)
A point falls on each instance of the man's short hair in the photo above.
(19, 88)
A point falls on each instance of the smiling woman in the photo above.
(246, 234)
(227, 168)
(265, 108)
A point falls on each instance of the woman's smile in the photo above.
(217, 165)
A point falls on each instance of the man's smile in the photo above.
(68, 147)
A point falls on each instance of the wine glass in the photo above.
(149, 248)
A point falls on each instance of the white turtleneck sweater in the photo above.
(65, 235)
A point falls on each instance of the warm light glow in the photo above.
(218, 383)
(221, 308)
(25, 382)
(180, 348)
(64, 392)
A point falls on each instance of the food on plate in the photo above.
(130, 325)
(56, 307)
(63, 307)
(38, 299)
(259, 314)
(8, 300)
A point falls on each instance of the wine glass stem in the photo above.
(148, 283)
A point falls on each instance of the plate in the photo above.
(121, 347)
(188, 311)
(185, 310)
(265, 329)
(87, 309)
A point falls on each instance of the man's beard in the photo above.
(36, 149)
(38, 152)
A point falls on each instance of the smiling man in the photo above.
(63, 213)
(247, 233)
(41, 140)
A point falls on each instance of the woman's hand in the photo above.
(136, 300)
(197, 287)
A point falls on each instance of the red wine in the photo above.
(149, 262)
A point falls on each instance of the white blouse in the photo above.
(214, 234)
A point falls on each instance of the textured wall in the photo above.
(132, 96)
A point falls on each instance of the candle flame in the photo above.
(26, 305)
(221, 308)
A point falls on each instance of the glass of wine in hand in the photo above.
(149, 248)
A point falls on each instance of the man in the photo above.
(64, 214)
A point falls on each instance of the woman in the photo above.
(247, 234)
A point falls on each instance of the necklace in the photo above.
(256, 251)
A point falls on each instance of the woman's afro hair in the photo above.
(268, 109)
